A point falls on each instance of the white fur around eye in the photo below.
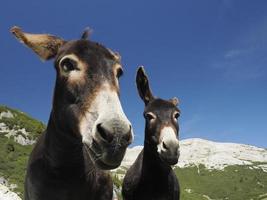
(73, 75)
(71, 57)
(150, 116)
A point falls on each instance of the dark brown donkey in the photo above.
(151, 176)
(87, 132)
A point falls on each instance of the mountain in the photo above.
(18, 133)
(213, 155)
(206, 170)
(211, 170)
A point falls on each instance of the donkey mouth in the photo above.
(101, 157)
(170, 159)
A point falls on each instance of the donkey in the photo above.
(87, 132)
(151, 176)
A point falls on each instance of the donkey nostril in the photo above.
(105, 134)
(164, 146)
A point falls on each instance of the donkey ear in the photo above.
(86, 33)
(175, 101)
(143, 86)
(44, 45)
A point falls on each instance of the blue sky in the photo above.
(212, 54)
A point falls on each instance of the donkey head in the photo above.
(161, 121)
(86, 103)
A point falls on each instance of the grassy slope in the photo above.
(235, 183)
(13, 156)
(13, 159)
(22, 120)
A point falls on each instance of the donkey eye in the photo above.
(119, 72)
(68, 65)
(150, 116)
(176, 115)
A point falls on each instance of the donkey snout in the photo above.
(115, 131)
(171, 148)
(170, 151)
(112, 138)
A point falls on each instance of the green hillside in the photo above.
(14, 156)
(232, 183)
(197, 183)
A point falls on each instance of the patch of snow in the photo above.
(213, 155)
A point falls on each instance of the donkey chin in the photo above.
(170, 159)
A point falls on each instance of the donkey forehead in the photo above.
(87, 51)
(161, 107)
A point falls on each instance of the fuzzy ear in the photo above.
(175, 101)
(143, 86)
(44, 45)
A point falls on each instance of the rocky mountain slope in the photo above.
(214, 171)
(18, 133)
(206, 170)
(213, 155)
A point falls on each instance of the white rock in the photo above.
(3, 181)
(7, 114)
(20, 134)
(188, 191)
(6, 194)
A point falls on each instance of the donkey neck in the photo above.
(61, 149)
